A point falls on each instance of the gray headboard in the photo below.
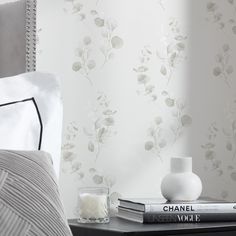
(17, 36)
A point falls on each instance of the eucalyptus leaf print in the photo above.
(173, 50)
(224, 194)
(75, 7)
(210, 145)
(223, 69)
(209, 148)
(104, 28)
(229, 131)
(111, 41)
(230, 135)
(70, 138)
(216, 16)
(161, 4)
(142, 75)
(181, 119)
(222, 139)
(71, 164)
(156, 141)
(102, 127)
(100, 178)
(84, 63)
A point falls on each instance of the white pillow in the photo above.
(31, 114)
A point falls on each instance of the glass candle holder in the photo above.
(93, 205)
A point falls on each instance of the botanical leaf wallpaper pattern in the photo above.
(218, 16)
(74, 167)
(227, 135)
(142, 81)
(105, 29)
(159, 137)
(102, 125)
(172, 49)
(223, 68)
(85, 64)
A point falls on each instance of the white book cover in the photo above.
(161, 205)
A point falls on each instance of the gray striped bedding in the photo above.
(30, 203)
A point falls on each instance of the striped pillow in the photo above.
(30, 204)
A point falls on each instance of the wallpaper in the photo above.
(143, 80)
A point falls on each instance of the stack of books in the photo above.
(150, 210)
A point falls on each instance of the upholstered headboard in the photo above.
(17, 36)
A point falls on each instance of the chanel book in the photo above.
(203, 205)
(173, 217)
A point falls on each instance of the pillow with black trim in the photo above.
(22, 121)
(31, 114)
(30, 204)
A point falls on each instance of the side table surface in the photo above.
(118, 227)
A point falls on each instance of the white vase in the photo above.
(181, 184)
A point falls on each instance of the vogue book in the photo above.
(179, 217)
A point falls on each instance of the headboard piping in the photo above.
(31, 10)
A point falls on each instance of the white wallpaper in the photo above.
(143, 80)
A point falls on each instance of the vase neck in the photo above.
(181, 164)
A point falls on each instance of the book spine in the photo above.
(188, 217)
(204, 208)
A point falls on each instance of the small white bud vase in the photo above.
(181, 184)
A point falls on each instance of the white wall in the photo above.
(142, 81)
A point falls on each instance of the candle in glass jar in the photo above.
(93, 205)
